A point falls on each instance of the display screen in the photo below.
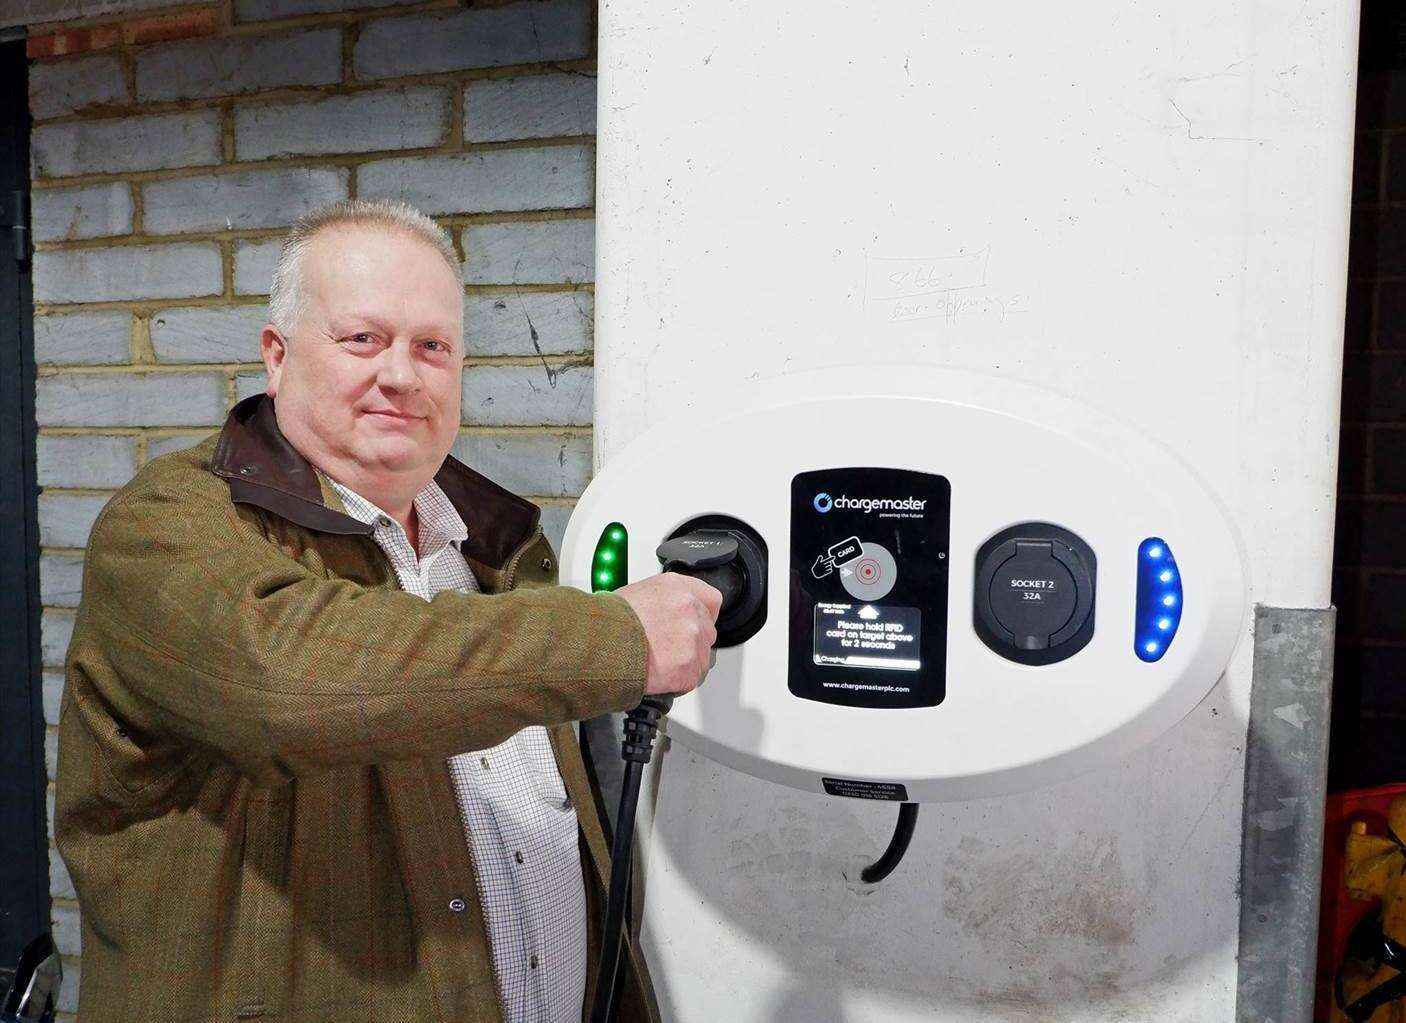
(868, 565)
(868, 636)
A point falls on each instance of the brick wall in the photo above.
(1369, 701)
(169, 153)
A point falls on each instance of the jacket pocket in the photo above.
(137, 762)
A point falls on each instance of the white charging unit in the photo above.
(904, 656)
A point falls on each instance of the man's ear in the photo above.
(274, 349)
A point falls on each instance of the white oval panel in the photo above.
(1012, 454)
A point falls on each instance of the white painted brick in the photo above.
(253, 266)
(61, 887)
(103, 338)
(554, 520)
(60, 579)
(67, 86)
(218, 334)
(246, 385)
(528, 395)
(128, 272)
(263, 10)
(49, 807)
(92, 211)
(51, 752)
(184, 139)
(86, 461)
(65, 520)
(158, 446)
(541, 464)
(131, 399)
(53, 696)
(542, 252)
(362, 123)
(531, 324)
(231, 65)
(55, 630)
(219, 202)
(554, 177)
(520, 33)
(68, 931)
(532, 107)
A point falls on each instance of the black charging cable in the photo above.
(732, 561)
(898, 845)
(716, 557)
(641, 726)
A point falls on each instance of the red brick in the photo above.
(158, 28)
(66, 42)
(151, 28)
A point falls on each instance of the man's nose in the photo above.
(397, 370)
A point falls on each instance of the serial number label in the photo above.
(853, 789)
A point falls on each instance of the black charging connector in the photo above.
(733, 560)
(731, 557)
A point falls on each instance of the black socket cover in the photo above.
(729, 554)
(1034, 599)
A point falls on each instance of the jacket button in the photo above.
(457, 905)
(546, 564)
(247, 470)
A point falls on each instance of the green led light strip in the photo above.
(610, 568)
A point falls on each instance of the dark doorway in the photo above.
(1369, 578)
(24, 859)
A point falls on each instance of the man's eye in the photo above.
(361, 339)
(436, 346)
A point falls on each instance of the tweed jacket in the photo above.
(253, 794)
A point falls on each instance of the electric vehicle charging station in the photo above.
(905, 655)
(1070, 277)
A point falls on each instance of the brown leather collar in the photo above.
(264, 470)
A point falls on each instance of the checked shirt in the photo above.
(519, 823)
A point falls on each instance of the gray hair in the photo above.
(286, 298)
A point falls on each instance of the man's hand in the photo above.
(678, 613)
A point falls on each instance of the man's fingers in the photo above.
(705, 655)
(711, 596)
(679, 614)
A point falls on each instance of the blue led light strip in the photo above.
(1159, 599)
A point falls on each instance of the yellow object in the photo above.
(1376, 866)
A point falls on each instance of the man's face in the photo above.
(368, 382)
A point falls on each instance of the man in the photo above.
(307, 770)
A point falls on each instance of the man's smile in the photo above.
(393, 416)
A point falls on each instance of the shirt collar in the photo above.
(440, 522)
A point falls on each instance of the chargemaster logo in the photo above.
(824, 502)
